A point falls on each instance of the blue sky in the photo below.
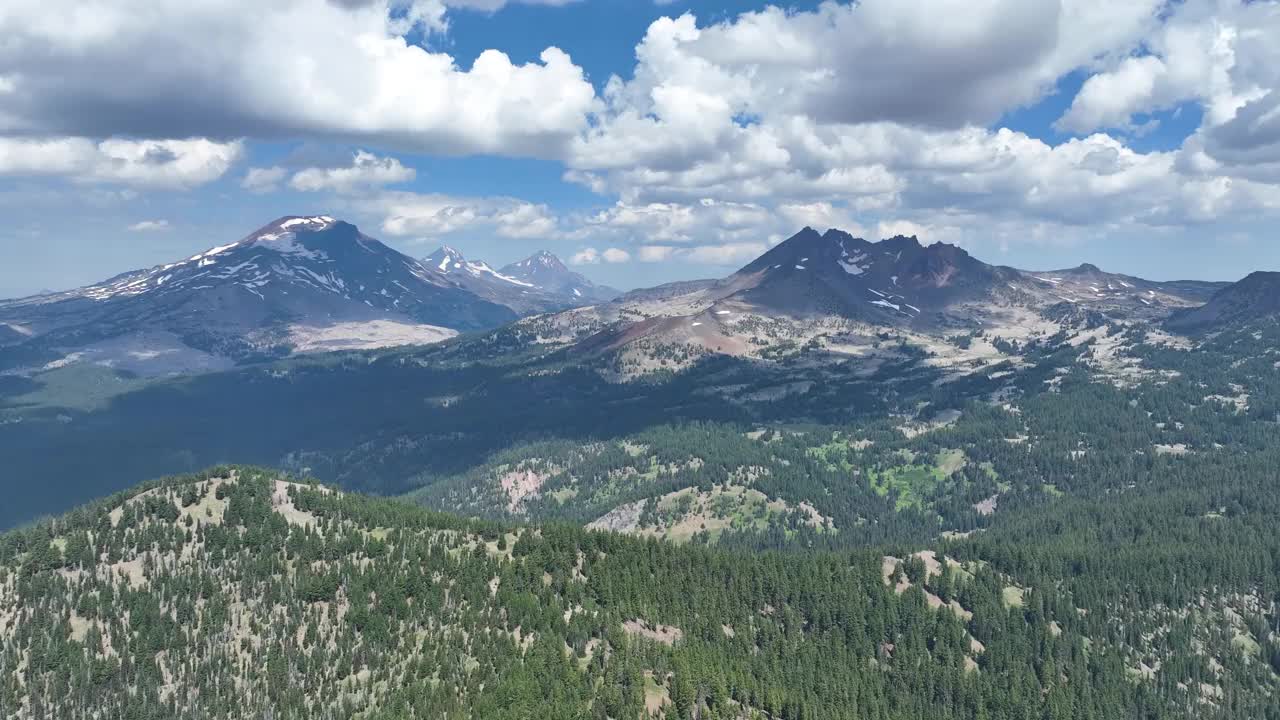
(657, 141)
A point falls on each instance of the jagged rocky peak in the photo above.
(900, 243)
(445, 258)
(942, 264)
(541, 260)
(540, 265)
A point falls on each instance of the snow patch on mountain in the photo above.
(365, 335)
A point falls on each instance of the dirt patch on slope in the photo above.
(665, 634)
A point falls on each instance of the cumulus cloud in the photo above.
(366, 170)
(495, 5)
(263, 179)
(591, 256)
(1252, 137)
(725, 254)
(150, 226)
(1220, 53)
(876, 116)
(295, 67)
(727, 96)
(173, 164)
(431, 215)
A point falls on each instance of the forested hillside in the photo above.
(238, 593)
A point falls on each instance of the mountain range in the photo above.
(835, 292)
(297, 284)
(538, 284)
(819, 322)
(987, 492)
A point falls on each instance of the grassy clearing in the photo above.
(681, 515)
(1245, 643)
(950, 462)
(564, 495)
(655, 695)
(835, 454)
(913, 484)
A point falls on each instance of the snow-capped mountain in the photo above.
(547, 272)
(539, 283)
(299, 283)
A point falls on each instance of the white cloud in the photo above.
(820, 216)
(875, 117)
(1108, 100)
(366, 170)
(431, 215)
(150, 226)
(725, 254)
(591, 256)
(293, 67)
(585, 256)
(869, 117)
(263, 179)
(616, 255)
(495, 5)
(146, 163)
(655, 253)
(674, 222)
(726, 97)
(1220, 53)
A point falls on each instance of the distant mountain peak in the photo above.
(1261, 279)
(903, 241)
(837, 235)
(293, 224)
(1256, 297)
(305, 222)
(546, 271)
(445, 258)
(541, 259)
(263, 295)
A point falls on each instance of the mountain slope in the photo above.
(1256, 297)
(297, 283)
